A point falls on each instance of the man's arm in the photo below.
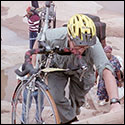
(34, 56)
(111, 87)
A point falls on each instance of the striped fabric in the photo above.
(33, 22)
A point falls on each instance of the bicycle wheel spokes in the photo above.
(16, 114)
(19, 107)
(48, 112)
(31, 115)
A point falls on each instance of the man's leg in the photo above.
(35, 95)
(32, 37)
(57, 83)
(77, 92)
(25, 92)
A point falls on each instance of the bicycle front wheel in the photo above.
(48, 113)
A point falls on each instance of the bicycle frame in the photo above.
(41, 35)
(41, 38)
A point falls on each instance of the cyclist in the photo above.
(80, 37)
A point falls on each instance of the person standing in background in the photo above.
(33, 21)
(101, 92)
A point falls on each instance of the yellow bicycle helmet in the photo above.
(82, 30)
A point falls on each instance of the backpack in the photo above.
(100, 28)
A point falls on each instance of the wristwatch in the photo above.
(114, 100)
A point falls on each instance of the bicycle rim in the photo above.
(49, 113)
(17, 104)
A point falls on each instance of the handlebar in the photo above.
(45, 50)
(28, 67)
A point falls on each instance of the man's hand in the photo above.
(34, 56)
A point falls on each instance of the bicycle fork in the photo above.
(30, 89)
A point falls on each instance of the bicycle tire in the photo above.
(27, 106)
(49, 114)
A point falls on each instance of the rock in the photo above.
(5, 112)
(12, 55)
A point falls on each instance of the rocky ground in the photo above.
(91, 112)
(14, 34)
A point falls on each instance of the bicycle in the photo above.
(48, 15)
(38, 79)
